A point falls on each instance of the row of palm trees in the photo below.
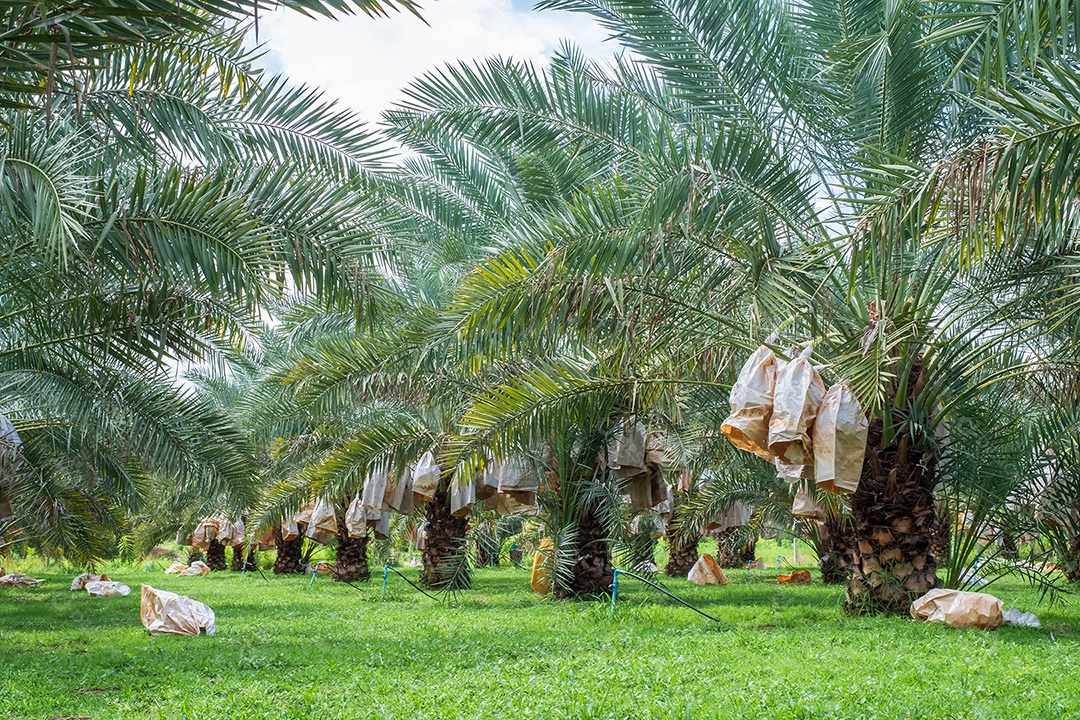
(561, 253)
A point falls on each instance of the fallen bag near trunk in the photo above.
(177, 568)
(166, 613)
(425, 478)
(959, 609)
(796, 397)
(107, 588)
(747, 427)
(18, 580)
(706, 571)
(79, 583)
(799, 577)
(197, 568)
(839, 440)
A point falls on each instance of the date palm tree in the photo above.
(758, 168)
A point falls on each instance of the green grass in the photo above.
(283, 651)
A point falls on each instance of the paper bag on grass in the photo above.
(839, 440)
(197, 568)
(166, 613)
(107, 588)
(706, 571)
(79, 583)
(18, 580)
(177, 568)
(747, 427)
(959, 609)
(799, 577)
(796, 397)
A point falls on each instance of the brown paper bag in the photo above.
(382, 527)
(514, 475)
(959, 609)
(323, 520)
(797, 394)
(805, 507)
(626, 458)
(290, 529)
(375, 490)
(487, 483)
(752, 404)
(356, 519)
(706, 571)
(303, 515)
(168, 613)
(205, 532)
(839, 440)
(462, 497)
(425, 477)
(399, 495)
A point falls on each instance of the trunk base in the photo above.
(445, 565)
(215, 556)
(351, 563)
(593, 572)
(288, 554)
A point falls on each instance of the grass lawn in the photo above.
(284, 651)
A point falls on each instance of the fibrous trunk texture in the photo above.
(215, 556)
(593, 571)
(1072, 567)
(894, 524)
(351, 564)
(730, 552)
(237, 562)
(445, 564)
(682, 554)
(288, 554)
(195, 554)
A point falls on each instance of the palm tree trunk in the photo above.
(593, 571)
(215, 556)
(195, 554)
(894, 525)
(288, 554)
(731, 554)
(444, 561)
(682, 554)
(237, 563)
(351, 563)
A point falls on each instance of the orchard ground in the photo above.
(283, 650)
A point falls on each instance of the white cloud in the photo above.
(365, 62)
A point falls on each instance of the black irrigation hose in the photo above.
(418, 588)
(666, 592)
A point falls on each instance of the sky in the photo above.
(364, 62)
